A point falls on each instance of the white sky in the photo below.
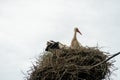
(26, 25)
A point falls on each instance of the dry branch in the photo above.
(105, 60)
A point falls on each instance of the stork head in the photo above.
(77, 30)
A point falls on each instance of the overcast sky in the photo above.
(26, 25)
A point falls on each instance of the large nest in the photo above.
(69, 64)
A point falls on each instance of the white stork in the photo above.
(74, 43)
(55, 45)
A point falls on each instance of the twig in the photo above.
(105, 60)
(62, 74)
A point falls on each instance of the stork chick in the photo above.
(74, 43)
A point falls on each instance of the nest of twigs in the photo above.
(69, 64)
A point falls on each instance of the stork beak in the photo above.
(79, 32)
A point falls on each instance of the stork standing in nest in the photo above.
(74, 43)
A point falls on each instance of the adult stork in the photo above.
(74, 43)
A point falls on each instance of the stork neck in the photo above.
(75, 33)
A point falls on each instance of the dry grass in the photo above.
(61, 64)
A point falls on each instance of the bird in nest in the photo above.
(74, 43)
